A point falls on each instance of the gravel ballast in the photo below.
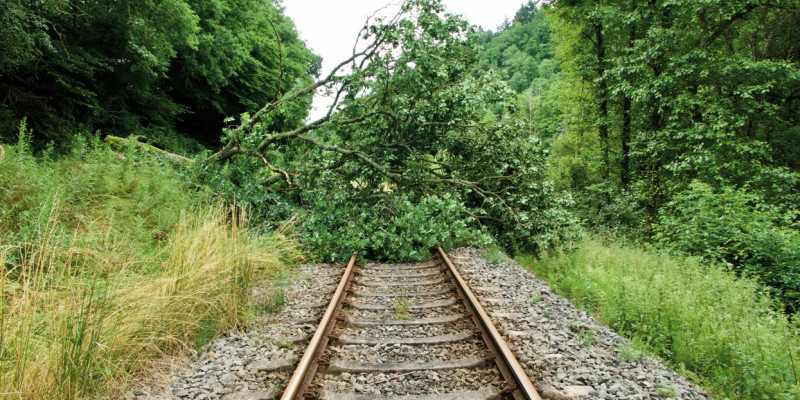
(565, 351)
(254, 365)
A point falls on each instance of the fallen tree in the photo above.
(121, 143)
(406, 114)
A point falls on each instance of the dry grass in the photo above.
(77, 317)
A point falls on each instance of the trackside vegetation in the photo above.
(111, 261)
(723, 330)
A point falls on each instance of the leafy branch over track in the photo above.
(408, 120)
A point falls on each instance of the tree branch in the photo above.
(280, 57)
(286, 175)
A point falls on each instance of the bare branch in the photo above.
(280, 55)
(286, 175)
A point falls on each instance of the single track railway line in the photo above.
(412, 332)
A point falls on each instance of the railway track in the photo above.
(411, 332)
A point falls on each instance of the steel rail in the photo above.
(299, 381)
(507, 362)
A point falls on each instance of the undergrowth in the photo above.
(699, 318)
(110, 261)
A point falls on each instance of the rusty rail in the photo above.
(506, 361)
(308, 364)
(519, 385)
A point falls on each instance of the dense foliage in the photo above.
(412, 132)
(698, 92)
(521, 49)
(144, 67)
(675, 123)
(738, 227)
(671, 124)
(416, 126)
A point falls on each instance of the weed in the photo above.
(401, 306)
(665, 391)
(270, 303)
(630, 352)
(586, 336)
(207, 328)
(535, 297)
(405, 316)
(494, 255)
(277, 386)
(576, 326)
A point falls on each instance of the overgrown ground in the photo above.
(110, 261)
(701, 319)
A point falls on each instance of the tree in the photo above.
(97, 64)
(689, 100)
(247, 53)
(526, 12)
(145, 67)
(519, 48)
(408, 123)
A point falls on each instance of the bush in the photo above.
(736, 227)
(696, 316)
(239, 181)
(607, 209)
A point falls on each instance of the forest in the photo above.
(656, 141)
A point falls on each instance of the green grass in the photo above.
(270, 303)
(665, 391)
(111, 261)
(632, 351)
(702, 319)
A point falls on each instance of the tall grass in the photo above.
(700, 318)
(101, 274)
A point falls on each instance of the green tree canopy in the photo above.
(519, 48)
(679, 101)
(138, 67)
(409, 129)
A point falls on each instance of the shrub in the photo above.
(736, 227)
(605, 208)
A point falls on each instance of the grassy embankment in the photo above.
(110, 262)
(701, 319)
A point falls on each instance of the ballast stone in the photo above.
(270, 366)
(258, 395)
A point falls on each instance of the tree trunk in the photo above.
(601, 94)
(119, 143)
(625, 168)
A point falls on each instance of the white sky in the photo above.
(329, 27)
